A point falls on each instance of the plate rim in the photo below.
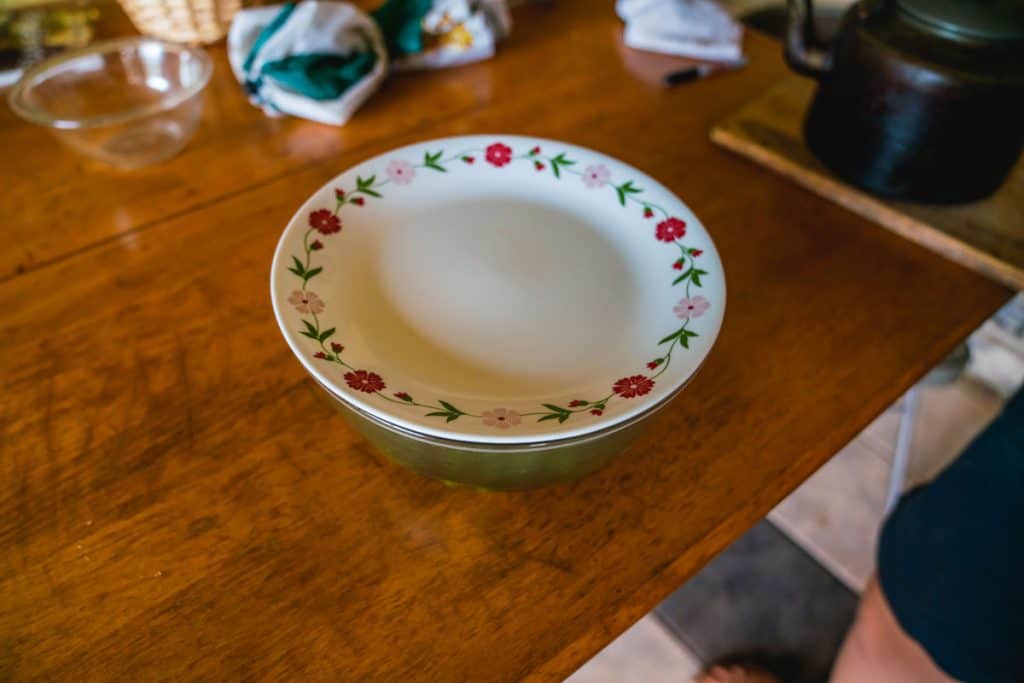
(558, 433)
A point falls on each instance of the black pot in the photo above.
(917, 99)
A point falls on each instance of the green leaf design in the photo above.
(326, 334)
(558, 161)
(298, 268)
(311, 273)
(682, 277)
(697, 272)
(670, 337)
(549, 416)
(311, 329)
(307, 334)
(626, 189)
(450, 412)
(557, 409)
(431, 161)
(365, 185)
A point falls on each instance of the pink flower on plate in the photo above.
(400, 172)
(596, 175)
(306, 302)
(498, 154)
(502, 418)
(692, 307)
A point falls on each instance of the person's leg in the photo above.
(948, 601)
(876, 649)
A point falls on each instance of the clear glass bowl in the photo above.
(129, 102)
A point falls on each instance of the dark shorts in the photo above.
(951, 558)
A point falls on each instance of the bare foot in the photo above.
(734, 674)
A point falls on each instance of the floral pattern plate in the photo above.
(498, 289)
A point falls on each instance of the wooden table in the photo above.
(176, 501)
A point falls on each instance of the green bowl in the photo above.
(491, 466)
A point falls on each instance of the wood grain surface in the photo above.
(177, 502)
(987, 235)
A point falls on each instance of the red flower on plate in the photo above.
(539, 166)
(317, 245)
(577, 403)
(321, 355)
(499, 154)
(696, 252)
(655, 363)
(403, 396)
(678, 265)
(535, 151)
(670, 229)
(648, 212)
(597, 411)
(631, 387)
(468, 159)
(363, 380)
(336, 347)
(359, 201)
(324, 222)
(339, 193)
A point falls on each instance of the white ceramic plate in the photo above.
(498, 289)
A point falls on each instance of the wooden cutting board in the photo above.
(987, 236)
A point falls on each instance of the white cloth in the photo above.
(314, 26)
(461, 31)
(700, 29)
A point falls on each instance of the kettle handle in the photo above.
(803, 49)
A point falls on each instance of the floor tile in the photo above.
(836, 514)
(948, 419)
(646, 653)
(763, 594)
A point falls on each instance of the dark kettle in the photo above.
(917, 99)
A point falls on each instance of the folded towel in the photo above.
(700, 29)
(317, 59)
(321, 60)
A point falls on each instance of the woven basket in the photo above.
(182, 21)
